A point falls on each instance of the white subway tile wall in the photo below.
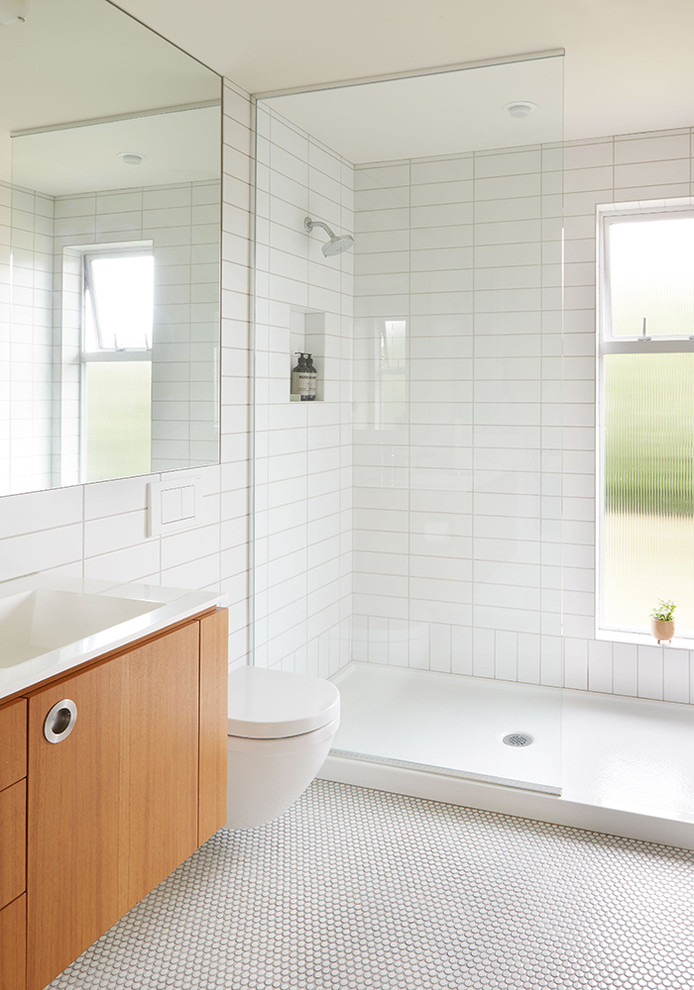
(58, 530)
(5, 230)
(181, 222)
(461, 499)
(457, 412)
(303, 450)
(27, 352)
(99, 530)
(625, 168)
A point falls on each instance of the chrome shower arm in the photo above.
(309, 224)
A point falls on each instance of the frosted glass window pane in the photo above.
(648, 532)
(118, 419)
(652, 276)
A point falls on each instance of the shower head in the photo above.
(336, 245)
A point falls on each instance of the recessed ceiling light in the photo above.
(131, 157)
(520, 108)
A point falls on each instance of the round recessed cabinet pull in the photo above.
(60, 721)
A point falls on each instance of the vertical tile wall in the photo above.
(99, 530)
(5, 230)
(27, 354)
(182, 222)
(458, 414)
(626, 168)
(303, 452)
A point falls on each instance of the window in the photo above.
(117, 308)
(118, 300)
(646, 424)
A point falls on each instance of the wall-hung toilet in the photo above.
(281, 727)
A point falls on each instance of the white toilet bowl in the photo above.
(281, 727)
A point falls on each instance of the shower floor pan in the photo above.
(611, 764)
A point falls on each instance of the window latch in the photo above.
(643, 331)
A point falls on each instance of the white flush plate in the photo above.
(173, 505)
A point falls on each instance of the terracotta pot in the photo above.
(662, 630)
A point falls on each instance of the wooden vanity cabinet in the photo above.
(13, 742)
(13, 945)
(214, 706)
(123, 799)
(13, 804)
(13, 768)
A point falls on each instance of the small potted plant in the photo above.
(663, 621)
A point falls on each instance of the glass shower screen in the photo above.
(408, 530)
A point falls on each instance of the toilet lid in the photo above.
(271, 704)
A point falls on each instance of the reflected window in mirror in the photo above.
(116, 380)
(110, 339)
(118, 299)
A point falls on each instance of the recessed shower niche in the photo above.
(306, 338)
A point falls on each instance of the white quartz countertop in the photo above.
(48, 627)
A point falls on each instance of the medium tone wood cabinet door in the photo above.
(13, 801)
(212, 812)
(112, 807)
(13, 945)
(73, 820)
(159, 788)
(13, 742)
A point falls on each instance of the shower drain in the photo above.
(518, 739)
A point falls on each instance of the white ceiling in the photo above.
(443, 114)
(181, 146)
(629, 64)
(83, 60)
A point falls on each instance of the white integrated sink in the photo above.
(51, 624)
(38, 621)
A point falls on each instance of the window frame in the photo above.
(138, 249)
(607, 343)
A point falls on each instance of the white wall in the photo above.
(625, 168)
(43, 377)
(457, 429)
(437, 562)
(303, 465)
(182, 222)
(26, 361)
(99, 530)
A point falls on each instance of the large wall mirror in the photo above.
(110, 182)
